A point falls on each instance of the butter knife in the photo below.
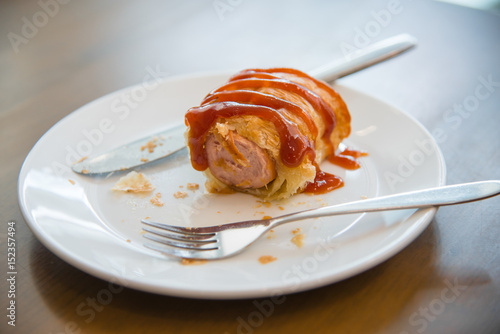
(171, 140)
(136, 153)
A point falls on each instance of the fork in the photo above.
(221, 241)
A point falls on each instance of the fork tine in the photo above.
(190, 246)
(178, 229)
(180, 253)
(205, 238)
(208, 243)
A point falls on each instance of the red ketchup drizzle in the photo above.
(301, 74)
(237, 98)
(253, 97)
(323, 183)
(294, 145)
(316, 102)
(347, 159)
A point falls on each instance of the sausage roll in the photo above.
(265, 132)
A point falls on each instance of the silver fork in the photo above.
(220, 241)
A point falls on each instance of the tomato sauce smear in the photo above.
(325, 182)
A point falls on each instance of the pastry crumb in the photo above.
(364, 197)
(71, 181)
(265, 203)
(144, 159)
(298, 240)
(192, 186)
(180, 194)
(192, 262)
(296, 231)
(265, 259)
(128, 240)
(271, 234)
(81, 159)
(85, 171)
(266, 217)
(281, 208)
(150, 145)
(133, 182)
(156, 200)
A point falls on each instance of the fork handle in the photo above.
(439, 196)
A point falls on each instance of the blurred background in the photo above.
(492, 5)
(173, 36)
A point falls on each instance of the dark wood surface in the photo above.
(446, 281)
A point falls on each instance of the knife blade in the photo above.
(139, 152)
(169, 141)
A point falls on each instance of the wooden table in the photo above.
(58, 55)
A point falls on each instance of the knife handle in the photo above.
(365, 57)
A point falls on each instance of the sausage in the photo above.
(239, 162)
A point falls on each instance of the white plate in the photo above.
(98, 230)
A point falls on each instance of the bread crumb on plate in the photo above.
(265, 259)
(298, 240)
(156, 200)
(133, 182)
(267, 204)
(192, 262)
(150, 145)
(81, 159)
(180, 194)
